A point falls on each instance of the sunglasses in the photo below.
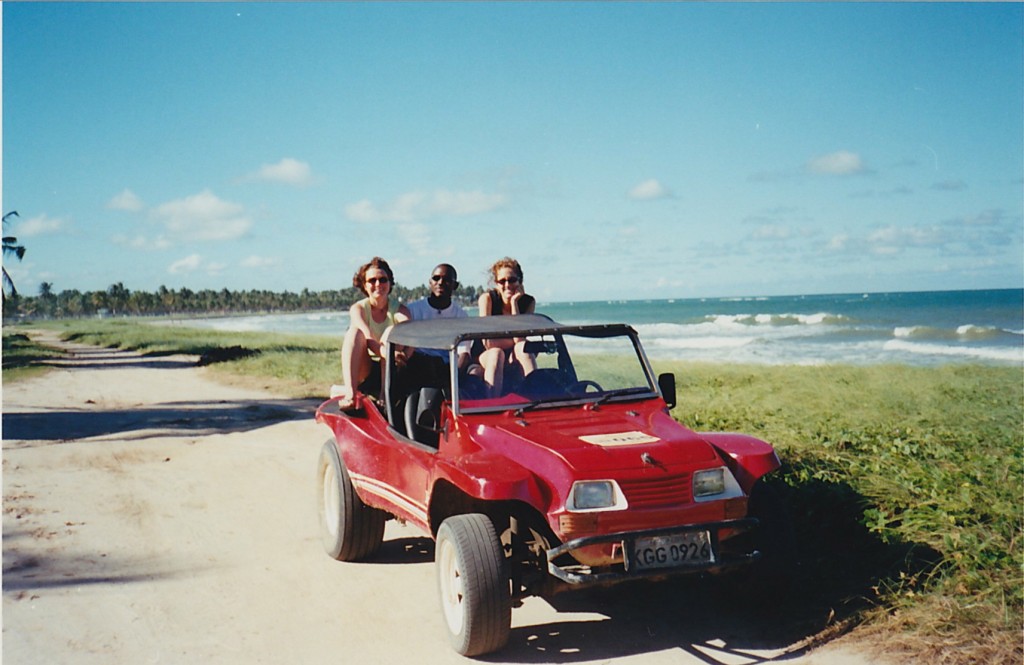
(508, 280)
(441, 278)
(377, 280)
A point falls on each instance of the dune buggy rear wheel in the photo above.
(349, 529)
(473, 582)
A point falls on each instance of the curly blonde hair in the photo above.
(506, 262)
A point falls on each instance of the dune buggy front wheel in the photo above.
(473, 581)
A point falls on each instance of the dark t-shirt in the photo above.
(497, 305)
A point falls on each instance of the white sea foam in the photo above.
(967, 332)
(785, 319)
(1001, 354)
(698, 342)
(907, 331)
(742, 330)
(971, 331)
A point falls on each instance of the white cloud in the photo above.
(203, 216)
(417, 206)
(839, 242)
(837, 163)
(288, 171)
(141, 241)
(127, 201)
(649, 190)
(771, 232)
(195, 263)
(260, 261)
(362, 211)
(38, 226)
(416, 235)
(991, 217)
(190, 263)
(986, 234)
(895, 239)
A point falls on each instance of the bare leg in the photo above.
(493, 362)
(527, 360)
(355, 363)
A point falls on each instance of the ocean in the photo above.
(913, 328)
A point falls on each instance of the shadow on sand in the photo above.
(172, 418)
(838, 567)
(26, 572)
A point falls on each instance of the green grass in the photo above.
(933, 458)
(22, 357)
(300, 365)
(905, 483)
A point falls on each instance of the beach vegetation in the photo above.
(904, 484)
(11, 248)
(23, 357)
(118, 300)
(909, 478)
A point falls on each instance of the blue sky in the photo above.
(633, 150)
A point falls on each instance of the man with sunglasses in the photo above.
(440, 305)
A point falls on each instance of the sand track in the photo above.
(152, 515)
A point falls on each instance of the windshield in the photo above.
(557, 369)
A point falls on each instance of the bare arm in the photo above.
(484, 304)
(357, 316)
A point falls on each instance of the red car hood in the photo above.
(613, 437)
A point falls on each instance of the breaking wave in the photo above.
(997, 354)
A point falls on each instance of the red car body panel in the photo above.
(507, 452)
(476, 455)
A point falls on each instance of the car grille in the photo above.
(661, 492)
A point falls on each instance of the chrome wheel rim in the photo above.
(452, 589)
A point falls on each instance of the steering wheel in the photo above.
(580, 387)
(542, 384)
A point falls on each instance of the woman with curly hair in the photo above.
(507, 298)
(370, 319)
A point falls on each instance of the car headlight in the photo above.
(709, 482)
(595, 495)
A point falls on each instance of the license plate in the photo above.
(680, 549)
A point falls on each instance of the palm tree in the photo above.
(46, 301)
(11, 246)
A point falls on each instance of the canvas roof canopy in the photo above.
(447, 333)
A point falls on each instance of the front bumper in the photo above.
(578, 575)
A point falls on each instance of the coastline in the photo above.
(919, 328)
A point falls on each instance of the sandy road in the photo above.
(151, 515)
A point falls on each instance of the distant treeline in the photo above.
(120, 301)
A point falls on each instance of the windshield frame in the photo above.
(633, 393)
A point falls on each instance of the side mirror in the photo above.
(667, 384)
(428, 409)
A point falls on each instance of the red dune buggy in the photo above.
(568, 475)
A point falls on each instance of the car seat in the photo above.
(423, 416)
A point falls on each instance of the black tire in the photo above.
(350, 530)
(473, 584)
